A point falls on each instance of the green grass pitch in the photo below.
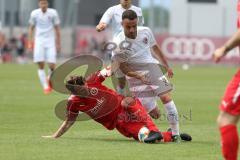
(26, 114)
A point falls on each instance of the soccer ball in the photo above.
(143, 134)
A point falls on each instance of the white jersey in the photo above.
(113, 16)
(44, 24)
(140, 50)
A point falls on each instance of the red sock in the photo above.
(142, 116)
(229, 140)
(167, 136)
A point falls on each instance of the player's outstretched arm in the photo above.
(63, 128)
(157, 51)
(233, 42)
(126, 69)
(105, 20)
(30, 37)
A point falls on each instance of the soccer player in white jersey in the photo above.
(46, 24)
(113, 17)
(143, 45)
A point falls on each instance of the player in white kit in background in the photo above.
(134, 62)
(113, 17)
(47, 41)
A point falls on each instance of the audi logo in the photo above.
(188, 48)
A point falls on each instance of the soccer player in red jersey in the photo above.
(106, 107)
(230, 106)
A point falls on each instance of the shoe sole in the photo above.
(185, 137)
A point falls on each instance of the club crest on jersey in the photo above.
(145, 40)
(49, 18)
(94, 91)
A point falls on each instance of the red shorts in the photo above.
(132, 119)
(231, 100)
(238, 11)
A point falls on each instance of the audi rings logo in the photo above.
(188, 48)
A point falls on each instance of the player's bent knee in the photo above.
(166, 98)
(40, 65)
(128, 101)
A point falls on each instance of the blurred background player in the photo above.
(47, 42)
(113, 17)
(230, 106)
(142, 42)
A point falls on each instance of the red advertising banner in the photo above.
(193, 48)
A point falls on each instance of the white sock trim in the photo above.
(43, 78)
(49, 73)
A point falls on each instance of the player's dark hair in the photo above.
(73, 83)
(129, 14)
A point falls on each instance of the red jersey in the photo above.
(231, 100)
(102, 104)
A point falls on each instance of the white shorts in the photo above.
(158, 83)
(44, 54)
(149, 103)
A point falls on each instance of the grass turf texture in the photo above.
(26, 114)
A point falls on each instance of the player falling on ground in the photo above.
(106, 107)
(143, 44)
(47, 42)
(230, 106)
(113, 17)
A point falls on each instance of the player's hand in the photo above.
(100, 27)
(170, 73)
(106, 72)
(219, 54)
(144, 79)
(50, 137)
(30, 46)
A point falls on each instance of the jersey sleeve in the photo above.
(152, 40)
(56, 19)
(107, 16)
(32, 20)
(72, 110)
